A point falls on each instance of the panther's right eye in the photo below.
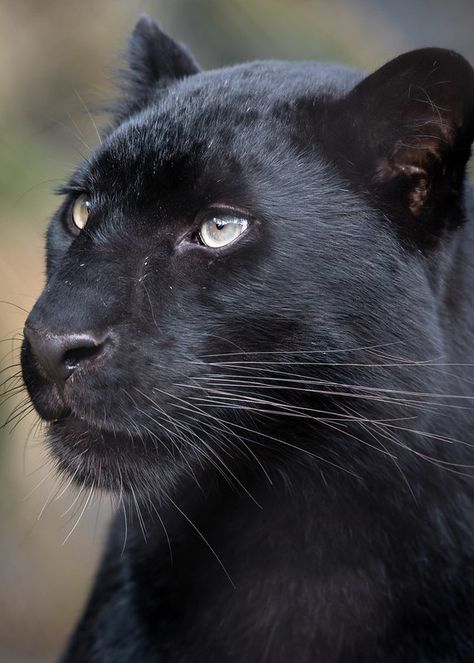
(80, 212)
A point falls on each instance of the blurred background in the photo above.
(56, 62)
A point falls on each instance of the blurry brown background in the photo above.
(56, 58)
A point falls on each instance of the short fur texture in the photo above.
(287, 420)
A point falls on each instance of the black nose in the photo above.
(58, 355)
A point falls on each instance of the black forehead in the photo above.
(213, 118)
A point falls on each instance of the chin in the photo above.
(118, 462)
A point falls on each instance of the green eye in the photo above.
(221, 229)
(80, 211)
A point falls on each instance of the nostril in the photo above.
(57, 356)
(75, 356)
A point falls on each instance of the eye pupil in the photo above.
(218, 231)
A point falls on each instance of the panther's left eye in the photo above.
(220, 229)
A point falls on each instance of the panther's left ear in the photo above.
(406, 131)
(154, 61)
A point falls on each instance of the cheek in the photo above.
(58, 242)
(238, 333)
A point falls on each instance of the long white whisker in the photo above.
(203, 538)
(86, 504)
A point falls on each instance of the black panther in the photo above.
(257, 331)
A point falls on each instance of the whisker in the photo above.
(291, 352)
(203, 538)
(139, 513)
(196, 409)
(86, 504)
(434, 461)
(218, 462)
(168, 540)
(89, 115)
(40, 483)
(20, 308)
(288, 444)
(224, 379)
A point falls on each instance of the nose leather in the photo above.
(59, 355)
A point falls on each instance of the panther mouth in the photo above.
(78, 431)
(103, 458)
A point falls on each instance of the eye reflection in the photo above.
(218, 230)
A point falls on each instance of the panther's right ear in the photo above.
(154, 61)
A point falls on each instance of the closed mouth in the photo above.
(72, 428)
(102, 458)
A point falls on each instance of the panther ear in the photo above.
(154, 61)
(408, 130)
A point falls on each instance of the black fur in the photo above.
(293, 411)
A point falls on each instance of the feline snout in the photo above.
(59, 355)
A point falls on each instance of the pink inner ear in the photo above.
(415, 149)
(386, 171)
(420, 187)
